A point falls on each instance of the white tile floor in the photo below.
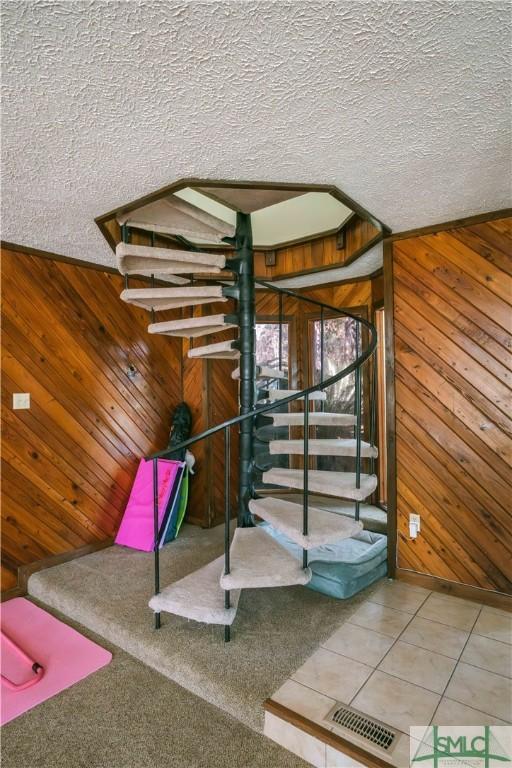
(407, 657)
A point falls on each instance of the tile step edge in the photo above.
(324, 735)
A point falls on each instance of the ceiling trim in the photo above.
(205, 183)
(468, 221)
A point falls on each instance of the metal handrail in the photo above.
(357, 363)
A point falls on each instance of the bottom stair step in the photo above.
(259, 561)
(199, 596)
(285, 516)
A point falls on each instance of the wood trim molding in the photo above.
(29, 251)
(454, 224)
(187, 182)
(324, 735)
(465, 591)
(25, 571)
(390, 407)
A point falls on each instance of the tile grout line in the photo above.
(395, 640)
(456, 665)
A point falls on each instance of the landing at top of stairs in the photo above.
(259, 561)
(340, 484)
(198, 596)
(287, 517)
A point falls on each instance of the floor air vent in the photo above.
(346, 719)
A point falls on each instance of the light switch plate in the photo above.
(21, 400)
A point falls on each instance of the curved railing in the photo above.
(225, 426)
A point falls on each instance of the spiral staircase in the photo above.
(252, 558)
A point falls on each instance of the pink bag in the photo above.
(137, 526)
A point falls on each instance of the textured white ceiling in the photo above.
(404, 105)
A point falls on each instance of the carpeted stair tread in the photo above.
(198, 596)
(257, 561)
(263, 372)
(175, 216)
(316, 418)
(148, 260)
(373, 518)
(280, 394)
(286, 516)
(172, 298)
(221, 350)
(192, 327)
(323, 447)
(340, 484)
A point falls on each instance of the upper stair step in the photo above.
(146, 260)
(340, 484)
(327, 447)
(315, 418)
(280, 394)
(263, 372)
(190, 327)
(173, 298)
(175, 216)
(258, 561)
(224, 350)
(324, 527)
(198, 596)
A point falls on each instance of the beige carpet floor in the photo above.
(128, 716)
(274, 632)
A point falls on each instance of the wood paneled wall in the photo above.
(320, 253)
(68, 462)
(452, 293)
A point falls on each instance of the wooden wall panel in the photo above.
(68, 462)
(452, 294)
(320, 253)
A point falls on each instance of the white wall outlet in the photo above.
(21, 400)
(414, 525)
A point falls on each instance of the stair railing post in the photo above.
(227, 521)
(305, 484)
(322, 350)
(280, 331)
(155, 530)
(358, 434)
(373, 410)
(125, 237)
(246, 305)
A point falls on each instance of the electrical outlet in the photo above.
(21, 400)
(414, 525)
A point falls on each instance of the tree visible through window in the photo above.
(267, 345)
(341, 345)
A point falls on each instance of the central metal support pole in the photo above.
(246, 312)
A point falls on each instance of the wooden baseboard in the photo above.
(25, 571)
(466, 591)
(324, 735)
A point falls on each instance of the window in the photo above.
(267, 346)
(341, 345)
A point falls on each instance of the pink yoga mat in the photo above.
(65, 655)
